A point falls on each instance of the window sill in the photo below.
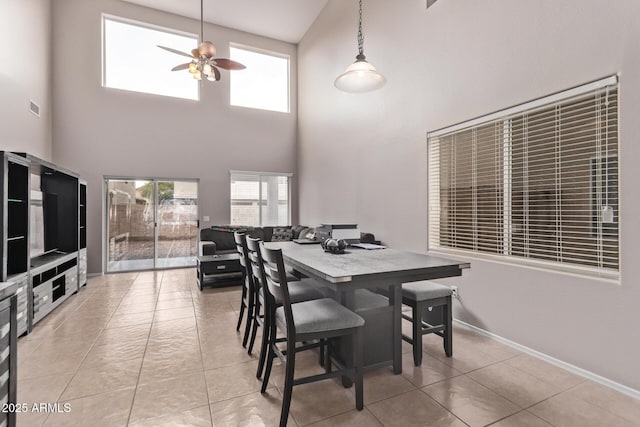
(546, 267)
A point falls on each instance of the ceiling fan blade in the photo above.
(181, 67)
(228, 64)
(177, 52)
(216, 73)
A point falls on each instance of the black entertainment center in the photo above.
(43, 234)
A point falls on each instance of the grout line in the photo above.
(516, 413)
(206, 385)
(144, 353)
(421, 390)
(443, 407)
(621, 388)
(75, 372)
(374, 415)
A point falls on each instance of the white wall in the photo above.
(25, 74)
(100, 132)
(363, 157)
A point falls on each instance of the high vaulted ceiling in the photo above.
(286, 20)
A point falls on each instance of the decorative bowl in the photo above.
(334, 246)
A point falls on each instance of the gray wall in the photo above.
(363, 157)
(99, 131)
(25, 74)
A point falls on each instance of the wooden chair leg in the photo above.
(448, 322)
(241, 314)
(242, 303)
(266, 331)
(417, 333)
(288, 382)
(267, 372)
(357, 364)
(254, 329)
(247, 326)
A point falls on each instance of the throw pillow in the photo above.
(281, 234)
(296, 229)
(303, 233)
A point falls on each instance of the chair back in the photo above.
(241, 247)
(254, 261)
(275, 280)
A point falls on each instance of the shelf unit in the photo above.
(9, 353)
(14, 209)
(16, 216)
(53, 276)
(82, 234)
(41, 212)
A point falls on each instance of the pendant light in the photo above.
(360, 76)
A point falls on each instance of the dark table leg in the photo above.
(395, 298)
(348, 299)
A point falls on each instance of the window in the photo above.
(537, 183)
(133, 61)
(260, 199)
(264, 84)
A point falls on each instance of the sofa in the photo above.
(219, 239)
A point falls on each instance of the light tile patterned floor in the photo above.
(150, 349)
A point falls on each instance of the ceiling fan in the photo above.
(202, 58)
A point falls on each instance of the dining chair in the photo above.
(299, 290)
(312, 324)
(247, 300)
(431, 314)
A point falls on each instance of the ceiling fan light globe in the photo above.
(207, 49)
(206, 70)
(197, 75)
(193, 68)
(360, 77)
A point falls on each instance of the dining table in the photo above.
(380, 270)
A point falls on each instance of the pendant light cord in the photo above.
(360, 36)
(201, 21)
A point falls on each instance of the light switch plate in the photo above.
(206, 218)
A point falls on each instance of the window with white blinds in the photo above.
(536, 183)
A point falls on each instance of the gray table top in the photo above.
(359, 262)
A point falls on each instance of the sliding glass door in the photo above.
(151, 223)
(177, 223)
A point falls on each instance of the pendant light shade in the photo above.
(361, 76)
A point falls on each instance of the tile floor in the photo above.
(149, 349)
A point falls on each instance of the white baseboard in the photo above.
(559, 363)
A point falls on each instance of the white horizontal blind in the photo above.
(536, 185)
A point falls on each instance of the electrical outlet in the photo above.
(454, 290)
